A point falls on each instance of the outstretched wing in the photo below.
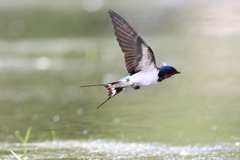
(138, 55)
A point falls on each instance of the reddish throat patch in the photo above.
(168, 75)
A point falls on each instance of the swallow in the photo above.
(139, 60)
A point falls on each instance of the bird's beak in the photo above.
(178, 72)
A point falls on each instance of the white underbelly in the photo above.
(144, 78)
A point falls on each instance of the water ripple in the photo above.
(110, 149)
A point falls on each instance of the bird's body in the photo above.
(143, 78)
(139, 60)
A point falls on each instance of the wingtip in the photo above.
(110, 11)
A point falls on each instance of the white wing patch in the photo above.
(146, 61)
(113, 92)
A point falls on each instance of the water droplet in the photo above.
(116, 120)
(56, 118)
(85, 132)
(80, 111)
(184, 153)
(43, 63)
(92, 5)
(215, 127)
(237, 143)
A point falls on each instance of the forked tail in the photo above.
(111, 91)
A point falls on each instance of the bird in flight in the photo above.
(139, 60)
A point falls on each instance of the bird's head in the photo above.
(167, 70)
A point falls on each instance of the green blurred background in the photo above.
(50, 48)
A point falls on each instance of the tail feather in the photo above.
(111, 91)
(104, 102)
